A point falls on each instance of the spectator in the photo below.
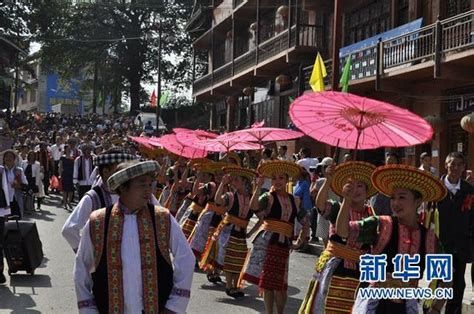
(66, 172)
(282, 150)
(34, 176)
(56, 153)
(46, 162)
(456, 224)
(148, 128)
(83, 168)
(305, 159)
(319, 223)
(16, 181)
(379, 202)
(425, 164)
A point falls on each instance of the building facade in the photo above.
(252, 57)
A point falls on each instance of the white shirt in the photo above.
(307, 163)
(87, 167)
(57, 151)
(74, 224)
(453, 188)
(6, 210)
(10, 176)
(182, 259)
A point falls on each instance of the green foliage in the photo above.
(121, 40)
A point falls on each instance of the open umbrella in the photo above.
(354, 122)
(223, 144)
(262, 134)
(188, 137)
(170, 143)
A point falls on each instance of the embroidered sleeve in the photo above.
(364, 231)
(263, 201)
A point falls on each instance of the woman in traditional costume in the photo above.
(199, 196)
(267, 262)
(336, 278)
(227, 248)
(210, 217)
(401, 233)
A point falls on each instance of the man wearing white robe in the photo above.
(133, 181)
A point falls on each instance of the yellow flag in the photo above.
(317, 76)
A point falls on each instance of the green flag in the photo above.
(346, 74)
(164, 98)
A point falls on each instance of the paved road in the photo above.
(51, 289)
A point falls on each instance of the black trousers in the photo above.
(2, 230)
(454, 306)
(46, 182)
(56, 168)
(314, 222)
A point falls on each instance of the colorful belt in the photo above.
(239, 222)
(220, 210)
(278, 226)
(344, 252)
(196, 208)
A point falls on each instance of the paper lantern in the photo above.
(283, 10)
(467, 122)
(282, 80)
(436, 123)
(247, 91)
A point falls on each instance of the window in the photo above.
(367, 21)
(455, 7)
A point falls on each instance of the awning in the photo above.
(372, 41)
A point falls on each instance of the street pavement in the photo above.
(51, 288)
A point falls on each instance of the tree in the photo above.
(118, 40)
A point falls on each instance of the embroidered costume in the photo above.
(336, 277)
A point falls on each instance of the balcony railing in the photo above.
(429, 43)
(309, 36)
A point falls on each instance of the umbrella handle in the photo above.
(335, 156)
(359, 131)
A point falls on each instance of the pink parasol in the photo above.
(189, 137)
(262, 134)
(223, 144)
(170, 143)
(354, 122)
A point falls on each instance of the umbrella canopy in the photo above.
(354, 122)
(222, 144)
(263, 134)
(170, 143)
(189, 137)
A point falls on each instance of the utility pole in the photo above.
(158, 88)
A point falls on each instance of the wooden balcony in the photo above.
(302, 37)
(415, 55)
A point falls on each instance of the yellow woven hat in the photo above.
(152, 153)
(211, 166)
(357, 170)
(270, 168)
(239, 171)
(387, 178)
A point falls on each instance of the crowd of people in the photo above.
(145, 218)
